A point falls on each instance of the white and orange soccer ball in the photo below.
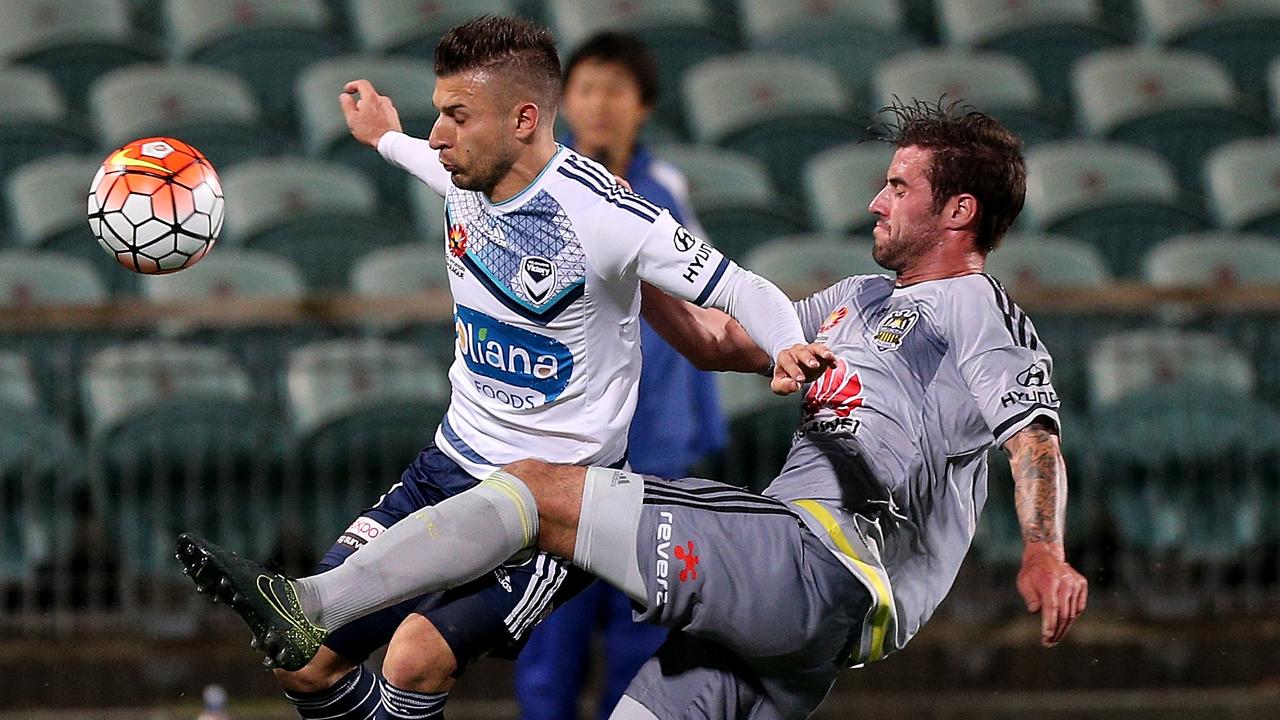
(156, 205)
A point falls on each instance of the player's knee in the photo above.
(418, 658)
(532, 473)
(323, 672)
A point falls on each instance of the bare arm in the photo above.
(1047, 583)
(712, 340)
(709, 338)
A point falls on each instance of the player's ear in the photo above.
(526, 118)
(961, 212)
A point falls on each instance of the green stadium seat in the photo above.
(406, 270)
(1178, 103)
(427, 209)
(732, 197)
(414, 27)
(37, 475)
(1047, 261)
(207, 107)
(178, 441)
(851, 36)
(804, 264)
(1273, 85)
(1121, 199)
(46, 200)
(780, 109)
(1047, 35)
(321, 215)
(266, 43)
(75, 41)
(361, 410)
(1243, 179)
(997, 84)
(1241, 34)
(841, 182)
(680, 33)
(228, 274)
(33, 122)
(409, 82)
(1177, 422)
(33, 277)
(1217, 259)
(760, 428)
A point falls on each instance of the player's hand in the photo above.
(1054, 589)
(623, 182)
(369, 117)
(799, 364)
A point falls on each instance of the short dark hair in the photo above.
(626, 50)
(972, 153)
(524, 49)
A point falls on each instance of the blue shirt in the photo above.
(678, 420)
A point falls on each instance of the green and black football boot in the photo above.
(266, 600)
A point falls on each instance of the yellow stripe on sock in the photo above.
(883, 598)
(503, 484)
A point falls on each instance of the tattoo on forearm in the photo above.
(1039, 479)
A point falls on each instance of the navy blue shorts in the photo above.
(488, 616)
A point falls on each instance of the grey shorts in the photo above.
(765, 615)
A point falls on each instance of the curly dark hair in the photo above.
(523, 51)
(972, 153)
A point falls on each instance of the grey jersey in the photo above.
(894, 437)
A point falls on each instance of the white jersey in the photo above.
(546, 291)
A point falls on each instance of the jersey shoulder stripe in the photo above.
(611, 192)
(606, 181)
(1015, 319)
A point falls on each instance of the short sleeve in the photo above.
(815, 308)
(1001, 359)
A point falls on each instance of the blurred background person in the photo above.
(611, 85)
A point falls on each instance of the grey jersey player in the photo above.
(909, 380)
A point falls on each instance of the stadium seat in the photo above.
(406, 270)
(1176, 420)
(780, 109)
(1219, 259)
(1243, 180)
(407, 81)
(841, 182)
(761, 425)
(361, 411)
(1225, 260)
(33, 121)
(37, 473)
(31, 277)
(732, 197)
(804, 264)
(852, 36)
(1241, 34)
(266, 43)
(46, 200)
(427, 209)
(1047, 261)
(207, 107)
(178, 441)
(1126, 364)
(997, 84)
(321, 215)
(1119, 198)
(1178, 103)
(75, 41)
(1047, 35)
(680, 34)
(414, 27)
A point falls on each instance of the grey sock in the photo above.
(436, 548)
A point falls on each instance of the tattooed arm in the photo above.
(1047, 583)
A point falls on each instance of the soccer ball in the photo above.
(156, 205)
